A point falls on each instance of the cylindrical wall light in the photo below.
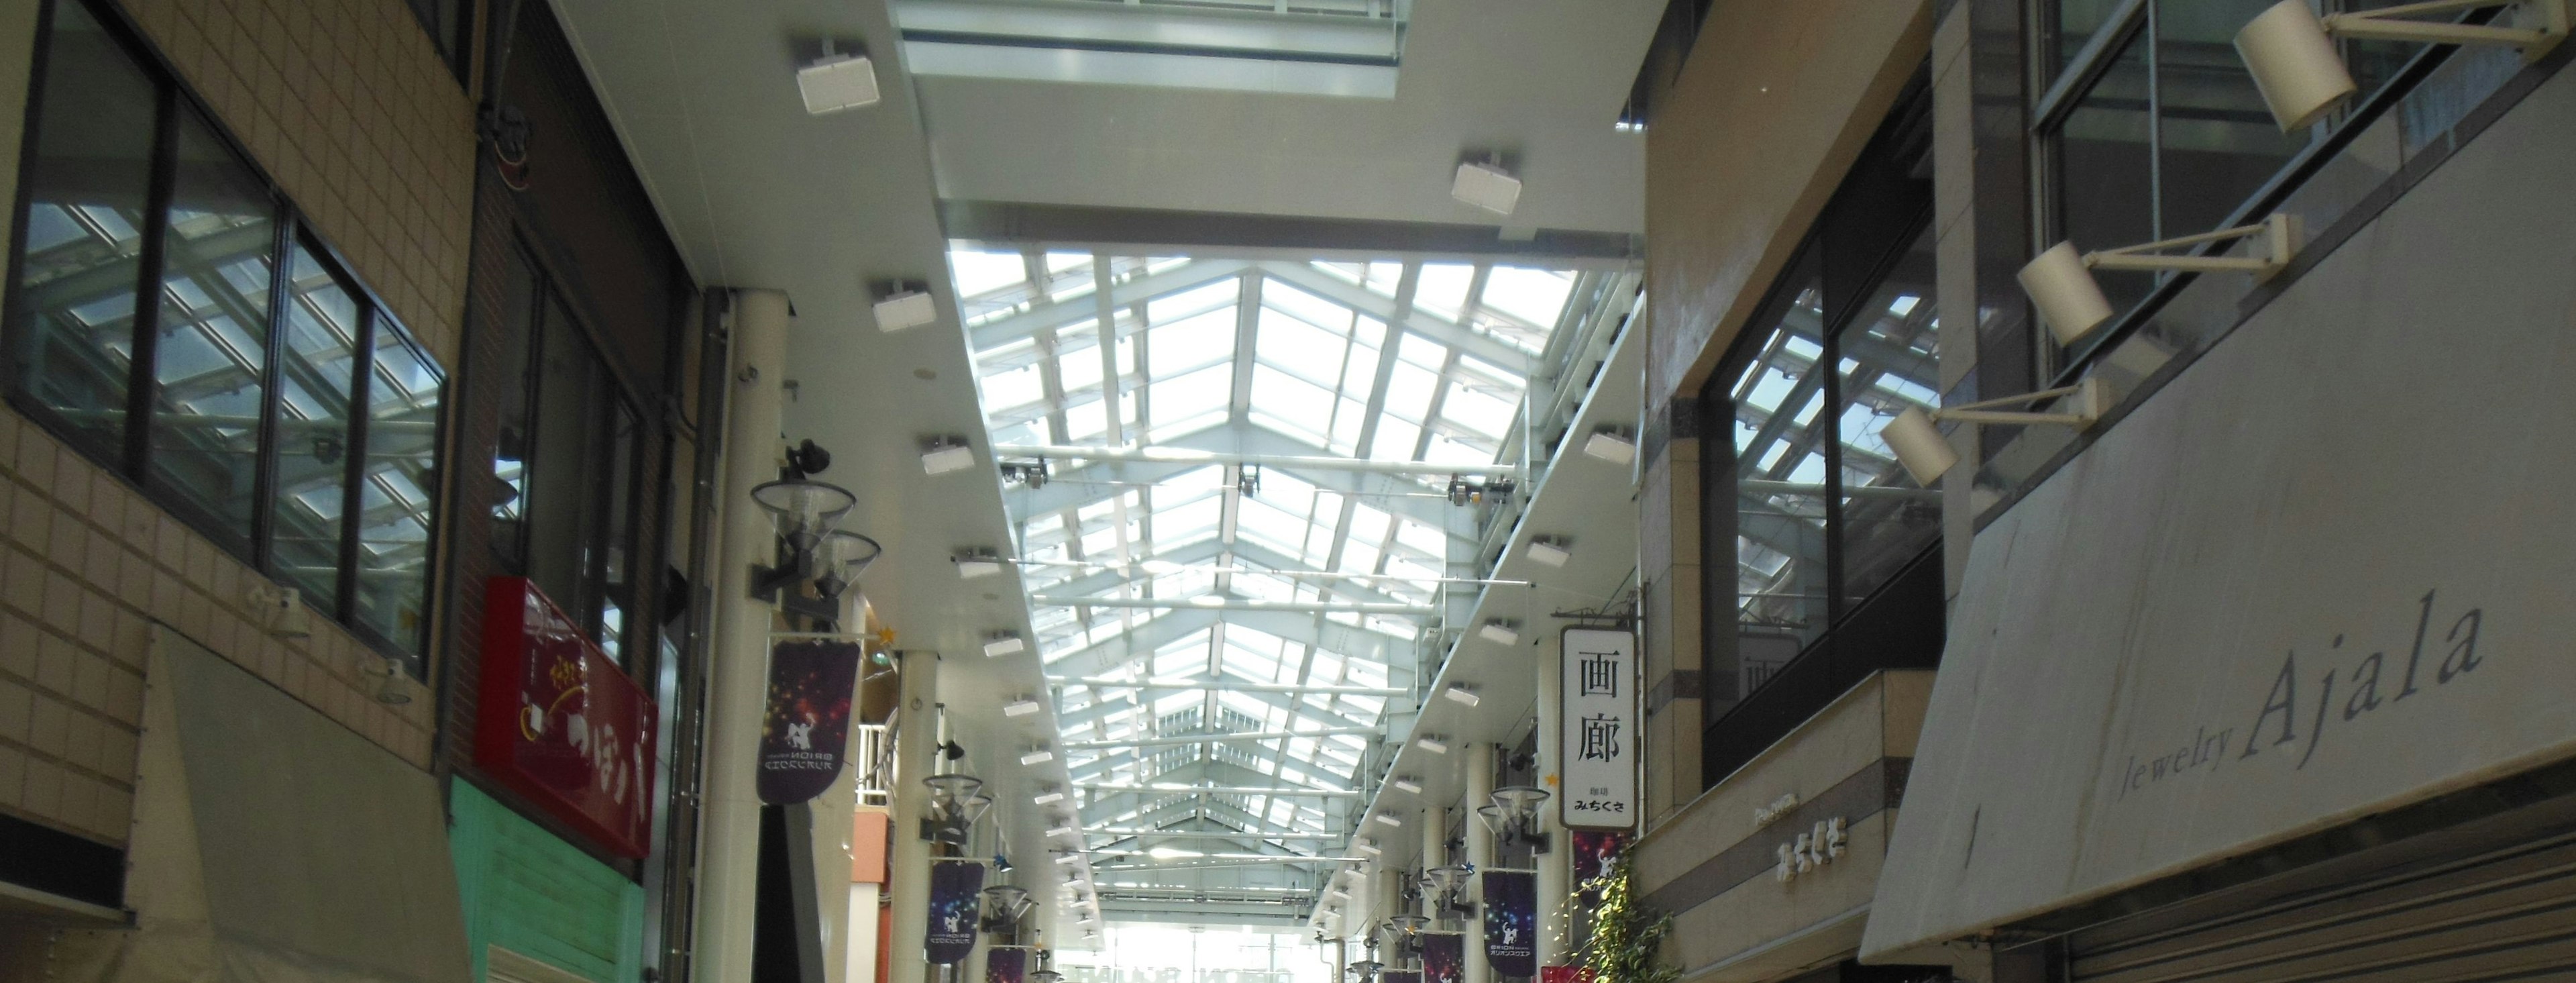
(1920, 446)
(2294, 64)
(2070, 301)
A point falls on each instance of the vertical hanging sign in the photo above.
(1006, 964)
(1511, 921)
(955, 886)
(1595, 852)
(1596, 729)
(1444, 957)
(807, 726)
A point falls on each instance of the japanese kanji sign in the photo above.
(1597, 729)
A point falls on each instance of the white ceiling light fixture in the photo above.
(1611, 444)
(1051, 796)
(1927, 454)
(1068, 857)
(1022, 707)
(1499, 632)
(1432, 743)
(2290, 51)
(1003, 643)
(1463, 694)
(2060, 281)
(1407, 785)
(1486, 185)
(1068, 829)
(836, 82)
(1550, 551)
(977, 563)
(1036, 756)
(1366, 847)
(902, 304)
(1388, 818)
(941, 455)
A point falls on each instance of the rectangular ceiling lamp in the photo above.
(1021, 707)
(975, 567)
(1549, 553)
(999, 647)
(1610, 447)
(834, 83)
(947, 457)
(1488, 187)
(1499, 633)
(909, 309)
(1407, 786)
(1048, 798)
(1037, 756)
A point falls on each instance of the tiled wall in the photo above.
(86, 562)
(348, 106)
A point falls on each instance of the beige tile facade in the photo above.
(86, 565)
(346, 104)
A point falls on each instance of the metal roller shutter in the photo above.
(2508, 915)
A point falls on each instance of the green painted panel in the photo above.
(533, 894)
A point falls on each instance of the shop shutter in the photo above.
(2508, 915)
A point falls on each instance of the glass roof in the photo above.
(1265, 598)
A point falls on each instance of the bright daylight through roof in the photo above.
(1229, 644)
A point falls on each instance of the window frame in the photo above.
(131, 458)
(2056, 98)
(550, 292)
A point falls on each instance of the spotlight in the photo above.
(1047, 798)
(1499, 632)
(1067, 829)
(1036, 756)
(1462, 693)
(1022, 707)
(1389, 819)
(941, 455)
(1004, 643)
(1067, 857)
(1550, 551)
(1487, 186)
(1365, 847)
(1407, 785)
(1927, 455)
(1431, 743)
(905, 305)
(836, 82)
(2060, 281)
(1610, 445)
(2290, 51)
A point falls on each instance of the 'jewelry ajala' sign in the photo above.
(1597, 729)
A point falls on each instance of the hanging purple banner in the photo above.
(1595, 852)
(1444, 957)
(1006, 964)
(955, 886)
(808, 723)
(1511, 922)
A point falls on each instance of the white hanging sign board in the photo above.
(1597, 728)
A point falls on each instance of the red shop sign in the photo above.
(560, 723)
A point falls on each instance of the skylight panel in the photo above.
(1448, 449)
(1306, 351)
(1283, 395)
(1186, 396)
(1285, 298)
(1443, 289)
(1533, 297)
(1408, 393)
(1478, 411)
(1220, 295)
(978, 273)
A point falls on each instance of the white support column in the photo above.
(1435, 827)
(1553, 931)
(729, 843)
(908, 874)
(1480, 853)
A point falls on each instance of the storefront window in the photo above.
(234, 411)
(566, 468)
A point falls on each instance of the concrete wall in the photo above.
(2320, 574)
(1713, 863)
